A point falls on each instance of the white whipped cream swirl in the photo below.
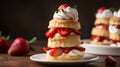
(117, 13)
(114, 30)
(105, 14)
(68, 13)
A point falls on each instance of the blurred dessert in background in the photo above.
(100, 33)
(114, 28)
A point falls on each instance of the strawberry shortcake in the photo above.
(100, 33)
(64, 35)
(114, 29)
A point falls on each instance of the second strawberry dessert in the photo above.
(64, 36)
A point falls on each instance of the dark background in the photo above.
(29, 18)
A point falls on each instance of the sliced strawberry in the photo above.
(117, 26)
(101, 9)
(115, 41)
(76, 32)
(51, 32)
(92, 37)
(67, 50)
(63, 6)
(64, 31)
(56, 51)
(80, 48)
(46, 48)
(99, 38)
(110, 60)
(103, 25)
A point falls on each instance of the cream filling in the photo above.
(114, 30)
(115, 45)
(73, 52)
(95, 40)
(57, 34)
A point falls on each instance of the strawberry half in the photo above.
(76, 32)
(64, 31)
(103, 25)
(56, 51)
(110, 60)
(63, 6)
(51, 32)
(46, 48)
(101, 9)
(80, 48)
(67, 50)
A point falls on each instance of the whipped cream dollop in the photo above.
(114, 30)
(105, 14)
(117, 13)
(67, 13)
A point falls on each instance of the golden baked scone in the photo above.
(99, 43)
(78, 57)
(55, 22)
(115, 20)
(68, 41)
(102, 21)
(115, 36)
(100, 32)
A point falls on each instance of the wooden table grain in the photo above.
(24, 61)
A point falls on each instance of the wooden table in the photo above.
(24, 61)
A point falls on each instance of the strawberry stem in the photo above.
(31, 42)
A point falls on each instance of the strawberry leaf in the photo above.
(32, 41)
(75, 6)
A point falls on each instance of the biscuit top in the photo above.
(117, 13)
(66, 12)
(103, 13)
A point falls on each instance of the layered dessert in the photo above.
(64, 35)
(114, 29)
(100, 33)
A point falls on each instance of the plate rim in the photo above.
(65, 61)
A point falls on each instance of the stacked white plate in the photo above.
(101, 49)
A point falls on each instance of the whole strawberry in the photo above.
(19, 47)
(4, 45)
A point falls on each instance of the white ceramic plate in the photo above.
(101, 49)
(41, 58)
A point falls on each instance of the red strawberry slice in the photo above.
(92, 37)
(18, 47)
(99, 38)
(110, 60)
(101, 9)
(103, 25)
(63, 6)
(4, 45)
(51, 32)
(56, 51)
(80, 48)
(67, 50)
(46, 48)
(117, 26)
(64, 31)
(76, 32)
